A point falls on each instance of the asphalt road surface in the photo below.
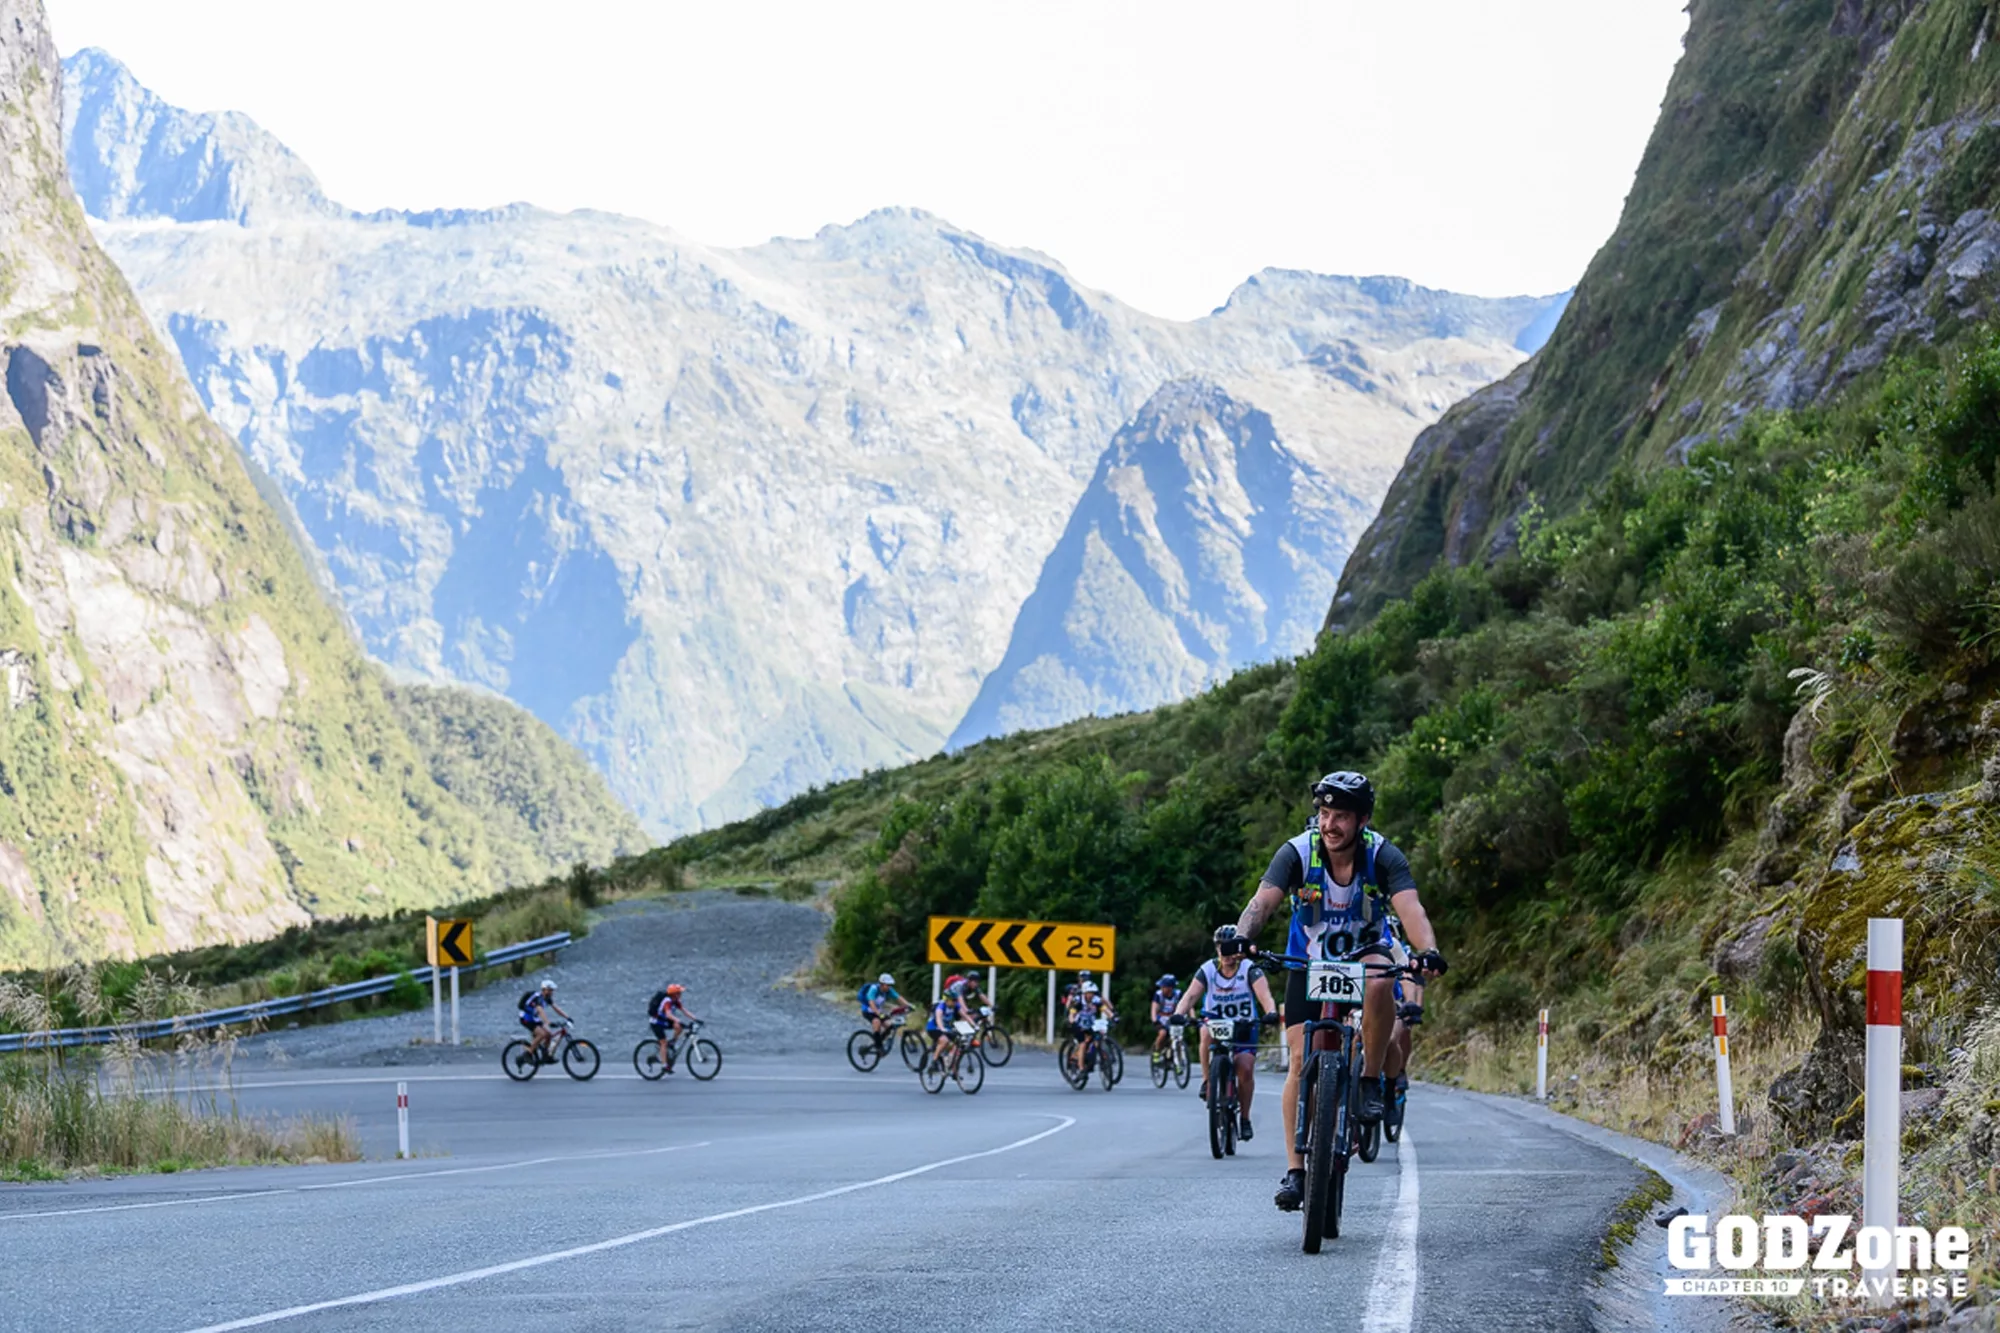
(793, 1193)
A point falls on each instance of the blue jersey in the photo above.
(877, 996)
(1166, 997)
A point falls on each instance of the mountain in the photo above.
(736, 522)
(192, 747)
(1815, 199)
(1204, 542)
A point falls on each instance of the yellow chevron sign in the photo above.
(1066, 945)
(448, 943)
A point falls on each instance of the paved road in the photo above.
(796, 1194)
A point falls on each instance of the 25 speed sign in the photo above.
(988, 942)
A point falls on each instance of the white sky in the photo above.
(1162, 150)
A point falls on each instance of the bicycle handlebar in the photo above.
(1374, 969)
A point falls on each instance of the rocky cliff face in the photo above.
(192, 749)
(1816, 198)
(737, 522)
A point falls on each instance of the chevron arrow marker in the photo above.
(1006, 943)
(975, 943)
(943, 940)
(1036, 946)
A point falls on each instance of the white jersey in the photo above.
(1228, 997)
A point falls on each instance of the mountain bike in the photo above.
(961, 1063)
(996, 1047)
(702, 1057)
(865, 1048)
(1172, 1060)
(578, 1056)
(1328, 1132)
(1101, 1054)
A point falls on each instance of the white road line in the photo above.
(1392, 1295)
(344, 1184)
(856, 1080)
(619, 1242)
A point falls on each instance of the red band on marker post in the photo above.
(1721, 1025)
(1885, 999)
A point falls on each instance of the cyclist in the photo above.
(880, 1002)
(1228, 987)
(950, 1007)
(1342, 879)
(1166, 995)
(1071, 991)
(669, 1018)
(535, 1007)
(1090, 1006)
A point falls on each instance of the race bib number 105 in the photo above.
(1335, 983)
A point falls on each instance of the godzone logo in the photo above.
(1828, 1247)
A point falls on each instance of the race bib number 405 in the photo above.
(1335, 983)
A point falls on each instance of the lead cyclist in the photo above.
(1342, 879)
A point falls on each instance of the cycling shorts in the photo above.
(1297, 1008)
(530, 1023)
(660, 1027)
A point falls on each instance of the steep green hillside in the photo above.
(192, 749)
(541, 803)
(1813, 201)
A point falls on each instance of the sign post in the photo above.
(1726, 1122)
(1882, 1098)
(1542, 1057)
(1052, 1007)
(447, 943)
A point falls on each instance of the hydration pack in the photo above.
(653, 1005)
(528, 1001)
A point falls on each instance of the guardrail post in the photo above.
(1051, 1038)
(1726, 1122)
(454, 1006)
(402, 1120)
(1542, 1057)
(1882, 1098)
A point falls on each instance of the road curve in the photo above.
(796, 1194)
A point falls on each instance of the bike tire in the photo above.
(863, 1052)
(519, 1061)
(704, 1059)
(1160, 1067)
(1322, 1215)
(646, 1059)
(1392, 1118)
(580, 1060)
(932, 1075)
(913, 1050)
(1181, 1063)
(1071, 1075)
(996, 1047)
(1114, 1056)
(1216, 1110)
(971, 1072)
(1106, 1076)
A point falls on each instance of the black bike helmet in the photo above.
(1345, 790)
(1168, 979)
(1227, 940)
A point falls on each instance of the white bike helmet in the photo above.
(548, 983)
(886, 979)
(1090, 988)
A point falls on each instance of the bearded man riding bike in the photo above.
(1342, 879)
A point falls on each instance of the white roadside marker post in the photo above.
(454, 1006)
(437, 1008)
(937, 983)
(1052, 1007)
(1542, 1057)
(402, 1120)
(1723, 1090)
(1882, 1097)
(993, 989)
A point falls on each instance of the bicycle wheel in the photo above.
(704, 1059)
(646, 1059)
(1065, 1063)
(863, 1051)
(1369, 1139)
(1392, 1120)
(1160, 1066)
(971, 1072)
(932, 1075)
(913, 1050)
(1106, 1074)
(996, 1048)
(1216, 1110)
(1181, 1063)
(518, 1059)
(580, 1060)
(1114, 1056)
(1323, 1155)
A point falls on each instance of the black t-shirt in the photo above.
(1392, 869)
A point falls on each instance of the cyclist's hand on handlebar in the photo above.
(1430, 961)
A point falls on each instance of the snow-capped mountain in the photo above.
(736, 521)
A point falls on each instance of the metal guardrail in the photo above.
(262, 1009)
